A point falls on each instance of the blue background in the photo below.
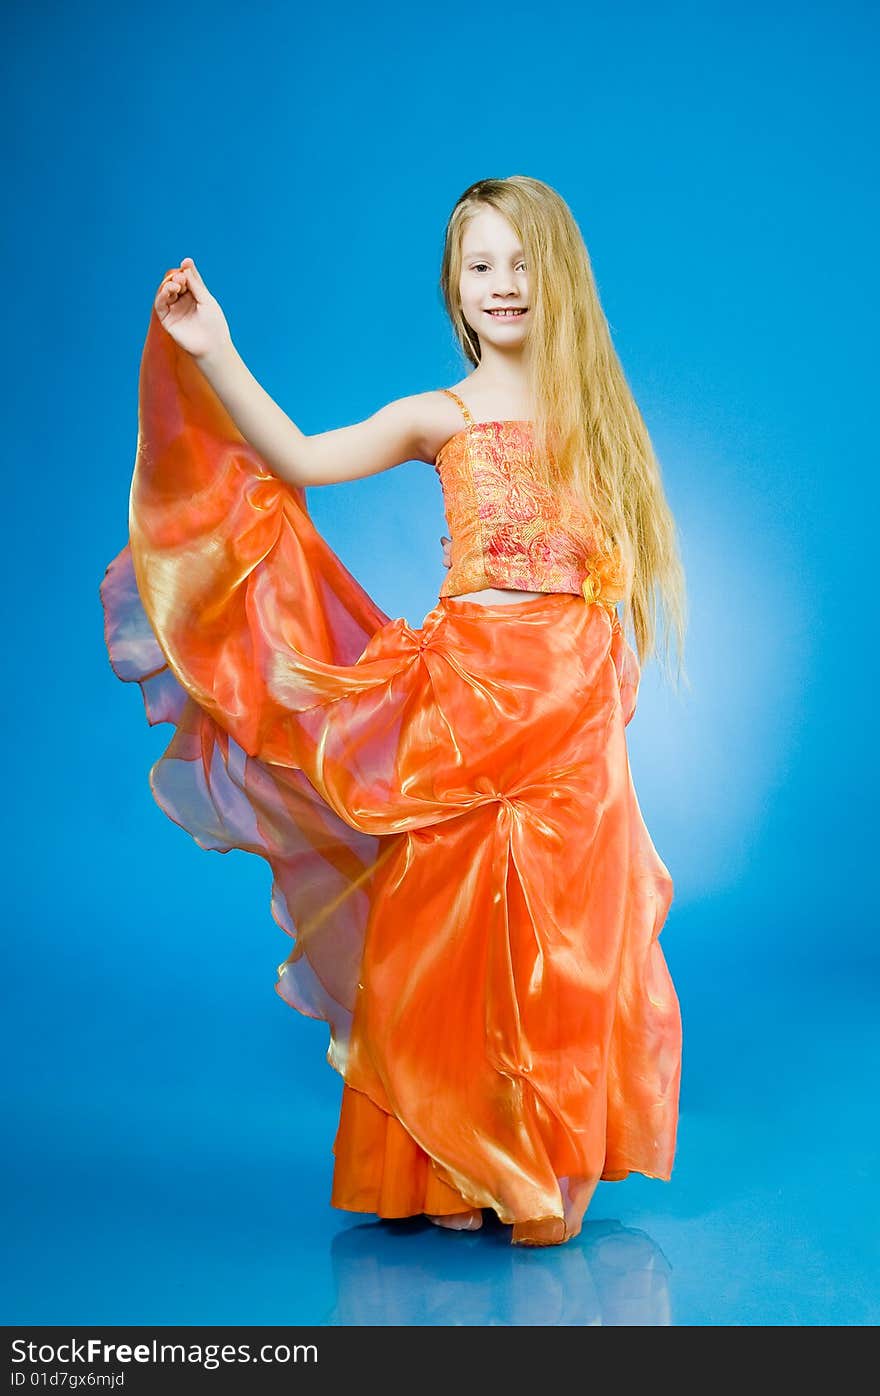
(170, 1118)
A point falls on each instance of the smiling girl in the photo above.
(457, 849)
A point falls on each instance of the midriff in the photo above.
(490, 596)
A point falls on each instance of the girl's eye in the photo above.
(477, 265)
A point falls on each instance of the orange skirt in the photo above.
(456, 846)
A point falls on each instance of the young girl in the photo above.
(456, 845)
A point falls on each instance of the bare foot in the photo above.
(459, 1221)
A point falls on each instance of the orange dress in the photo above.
(456, 847)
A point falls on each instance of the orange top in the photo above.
(508, 529)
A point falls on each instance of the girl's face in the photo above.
(494, 279)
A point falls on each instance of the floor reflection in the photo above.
(410, 1272)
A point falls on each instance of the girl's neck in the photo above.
(498, 387)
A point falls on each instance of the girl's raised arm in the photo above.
(396, 433)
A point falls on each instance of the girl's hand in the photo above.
(447, 551)
(189, 312)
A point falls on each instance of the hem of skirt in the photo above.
(620, 1176)
(388, 1215)
(461, 1203)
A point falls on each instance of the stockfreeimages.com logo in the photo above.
(94, 1352)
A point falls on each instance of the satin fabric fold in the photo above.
(448, 812)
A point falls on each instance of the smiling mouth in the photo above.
(508, 314)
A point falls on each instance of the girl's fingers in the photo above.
(182, 279)
(196, 284)
(192, 281)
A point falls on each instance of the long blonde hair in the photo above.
(589, 433)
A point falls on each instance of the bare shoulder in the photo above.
(439, 417)
(405, 429)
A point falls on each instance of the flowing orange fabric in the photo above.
(456, 846)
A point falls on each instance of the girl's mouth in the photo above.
(508, 313)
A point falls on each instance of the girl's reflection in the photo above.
(386, 1272)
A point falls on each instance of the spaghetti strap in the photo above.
(469, 421)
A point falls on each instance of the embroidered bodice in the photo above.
(508, 530)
